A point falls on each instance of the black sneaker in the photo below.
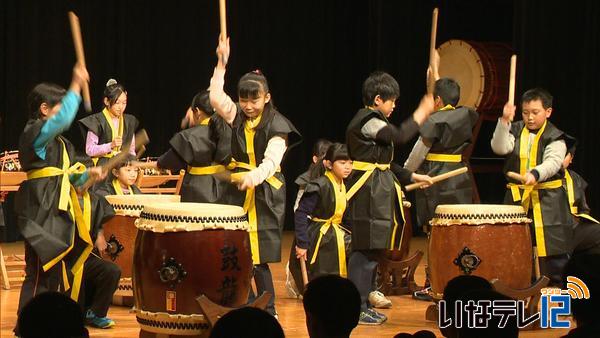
(423, 295)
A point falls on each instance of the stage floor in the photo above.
(407, 315)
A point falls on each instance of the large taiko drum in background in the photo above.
(183, 251)
(120, 233)
(486, 240)
(481, 69)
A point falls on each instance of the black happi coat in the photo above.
(203, 146)
(448, 132)
(328, 256)
(554, 235)
(47, 229)
(98, 124)
(370, 212)
(269, 201)
(102, 212)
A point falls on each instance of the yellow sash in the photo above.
(250, 199)
(114, 133)
(453, 158)
(334, 221)
(447, 107)
(368, 169)
(68, 202)
(208, 170)
(571, 195)
(118, 190)
(531, 197)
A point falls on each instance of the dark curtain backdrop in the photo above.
(314, 53)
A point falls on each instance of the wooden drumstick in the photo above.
(223, 19)
(78, 43)
(437, 178)
(516, 177)
(434, 19)
(511, 85)
(303, 269)
(431, 78)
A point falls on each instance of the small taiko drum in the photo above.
(481, 69)
(120, 233)
(183, 251)
(486, 240)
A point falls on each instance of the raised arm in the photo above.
(62, 120)
(503, 142)
(219, 100)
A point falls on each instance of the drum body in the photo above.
(481, 69)
(183, 251)
(120, 233)
(490, 241)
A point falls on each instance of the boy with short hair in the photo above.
(535, 149)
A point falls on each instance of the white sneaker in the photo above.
(290, 284)
(378, 300)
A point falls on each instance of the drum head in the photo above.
(132, 205)
(475, 214)
(461, 62)
(188, 216)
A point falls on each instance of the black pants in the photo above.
(586, 238)
(100, 281)
(553, 267)
(264, 282)
(36, 279)
(362, 266)
(100, 278)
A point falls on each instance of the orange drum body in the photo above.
(183, 251)
(120, 233)
(490, 241)
(481, 69)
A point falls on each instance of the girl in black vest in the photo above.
(260, 138)
(202, 149)
(122, 180)
(56, 235)
(321, 240)
(108, 132)
(293, 282)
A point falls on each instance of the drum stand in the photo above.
(396, 271)
(398, 276)
(531, 296)
(213, 312)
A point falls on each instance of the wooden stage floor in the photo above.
(407, 315)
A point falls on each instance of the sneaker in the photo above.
(423, 295)
(98, 322)
(378, 300)
(366, 319)
(377, 315)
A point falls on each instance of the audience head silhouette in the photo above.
(332, 306)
